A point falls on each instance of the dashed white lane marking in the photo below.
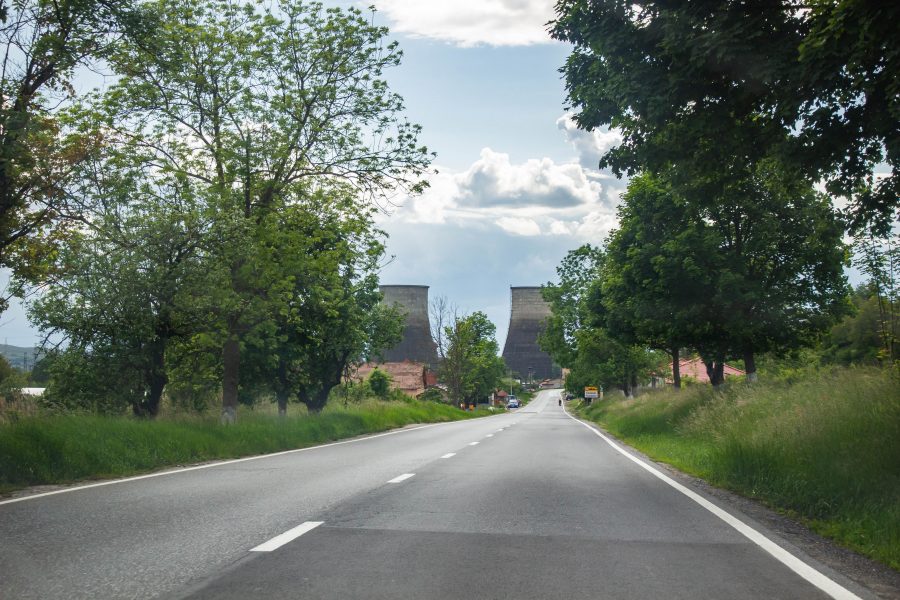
(400, 478)
(489, 435)
(288, 536)
(449, 455)
(499, 430)
(820, 580)
(473, 443)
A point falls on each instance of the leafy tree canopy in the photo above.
(715, 86)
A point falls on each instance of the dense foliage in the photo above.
(219, 229)
(471, 367)
(731, 113)
(714, 87)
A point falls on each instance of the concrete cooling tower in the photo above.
(521, 352)
(416, 343)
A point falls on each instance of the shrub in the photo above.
(380, 382)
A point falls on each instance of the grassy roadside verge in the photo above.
(67, 448)
(824, 449)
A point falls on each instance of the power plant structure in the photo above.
(416, 344)
(527, 319)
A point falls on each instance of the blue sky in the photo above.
(517, 185)
(515, 188)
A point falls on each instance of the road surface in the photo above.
(529, 504)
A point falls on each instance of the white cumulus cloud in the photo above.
(472, 22)
(519, 226)
(494, 181)
(589, 145)
(537, 197)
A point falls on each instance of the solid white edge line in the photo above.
(473, 443)
(449, 455)
(400, 478)
(820, 580)
(288, 536)
(78, 488)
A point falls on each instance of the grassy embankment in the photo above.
(824, 449)
(66, 448)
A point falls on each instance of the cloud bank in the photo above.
(472, 22)
(537, 197)
(590, 145)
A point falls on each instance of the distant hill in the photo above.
(19, 357)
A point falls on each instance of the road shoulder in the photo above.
(874, 576)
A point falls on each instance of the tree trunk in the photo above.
(715, 370)
(315, 402)
(719, 373)
(282, 404)
(231, 359)
(750, 366)
(148, 407)
(282, 389)
(634, 384)
(157, 384)
(676, 369)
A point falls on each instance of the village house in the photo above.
(696, 370)
(410, 377)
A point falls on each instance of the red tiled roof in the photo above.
(695, 369)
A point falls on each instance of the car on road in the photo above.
(512, 402)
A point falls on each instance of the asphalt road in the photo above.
(531, 504)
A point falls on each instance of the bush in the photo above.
(380, 383)
(94, 383)
(433, 394)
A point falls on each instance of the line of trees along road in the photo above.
(730, 114)
(214, 229)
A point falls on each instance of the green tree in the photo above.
(567, 300)
(658, 274)
(380, 382)
(762, 273)
(118, 290)
(270, 106)
(471, 367)
(858, 338)
(578, 334)
(331, 319)
(6, 370)
(878, 257)
(604, 361)
(43, 43)
(352, 327)
(713, 87)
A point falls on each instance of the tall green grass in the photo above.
(66, 448)
(825, 448)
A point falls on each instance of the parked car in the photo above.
(512, 402)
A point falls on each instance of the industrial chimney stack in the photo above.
(416, 343)
(527, 320)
